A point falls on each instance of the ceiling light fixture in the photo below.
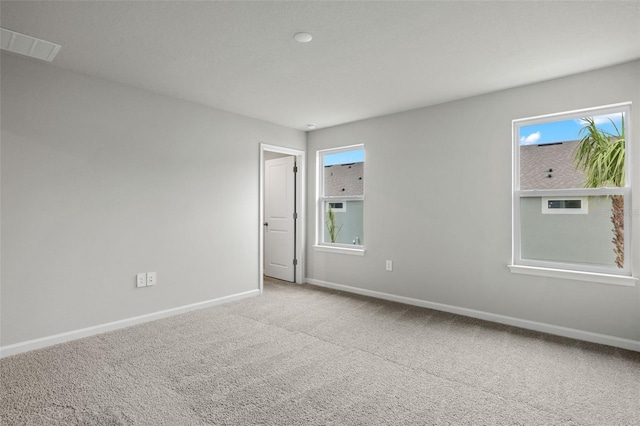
(28, 46)
(311, 126)
(302, 37)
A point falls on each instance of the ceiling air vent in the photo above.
(28, 46)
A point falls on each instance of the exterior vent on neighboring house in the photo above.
(29, 46)
(337, 206)
(574, 205)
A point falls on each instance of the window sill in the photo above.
(574, 275)
(341, 250)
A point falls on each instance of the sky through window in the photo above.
(344, 157)
(566, 130)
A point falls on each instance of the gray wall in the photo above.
(102, 181)
(270, 155)
(446, 170)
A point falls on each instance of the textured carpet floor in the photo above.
(302, 355)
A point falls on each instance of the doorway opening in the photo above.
(282, 228)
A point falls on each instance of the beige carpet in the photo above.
(301, 355)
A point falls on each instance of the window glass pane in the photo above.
(344, 173)
(587, 236)
(583, 152)
(343, 227)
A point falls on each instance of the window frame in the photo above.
(565, 269)
(321, 245)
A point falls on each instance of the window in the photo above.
(572, 191)
(341, 198)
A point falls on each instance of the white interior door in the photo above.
(279, 225)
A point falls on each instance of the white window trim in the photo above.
(341, 248)
(574, 275)
(559, 269)
(351, 249)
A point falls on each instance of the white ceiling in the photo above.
(366, 58)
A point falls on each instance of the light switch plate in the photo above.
(141, 280)
(151, 278)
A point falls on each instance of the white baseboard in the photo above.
(588, 336)
(43, 342)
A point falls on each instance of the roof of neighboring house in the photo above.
(344, 179)
(550, 166)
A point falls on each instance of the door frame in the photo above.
(301, 194)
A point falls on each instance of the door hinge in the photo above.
(295, 215)
(295, 169)
(295, 262)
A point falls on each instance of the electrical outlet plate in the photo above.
(151, 278)
(389, 265)
(141, 280)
